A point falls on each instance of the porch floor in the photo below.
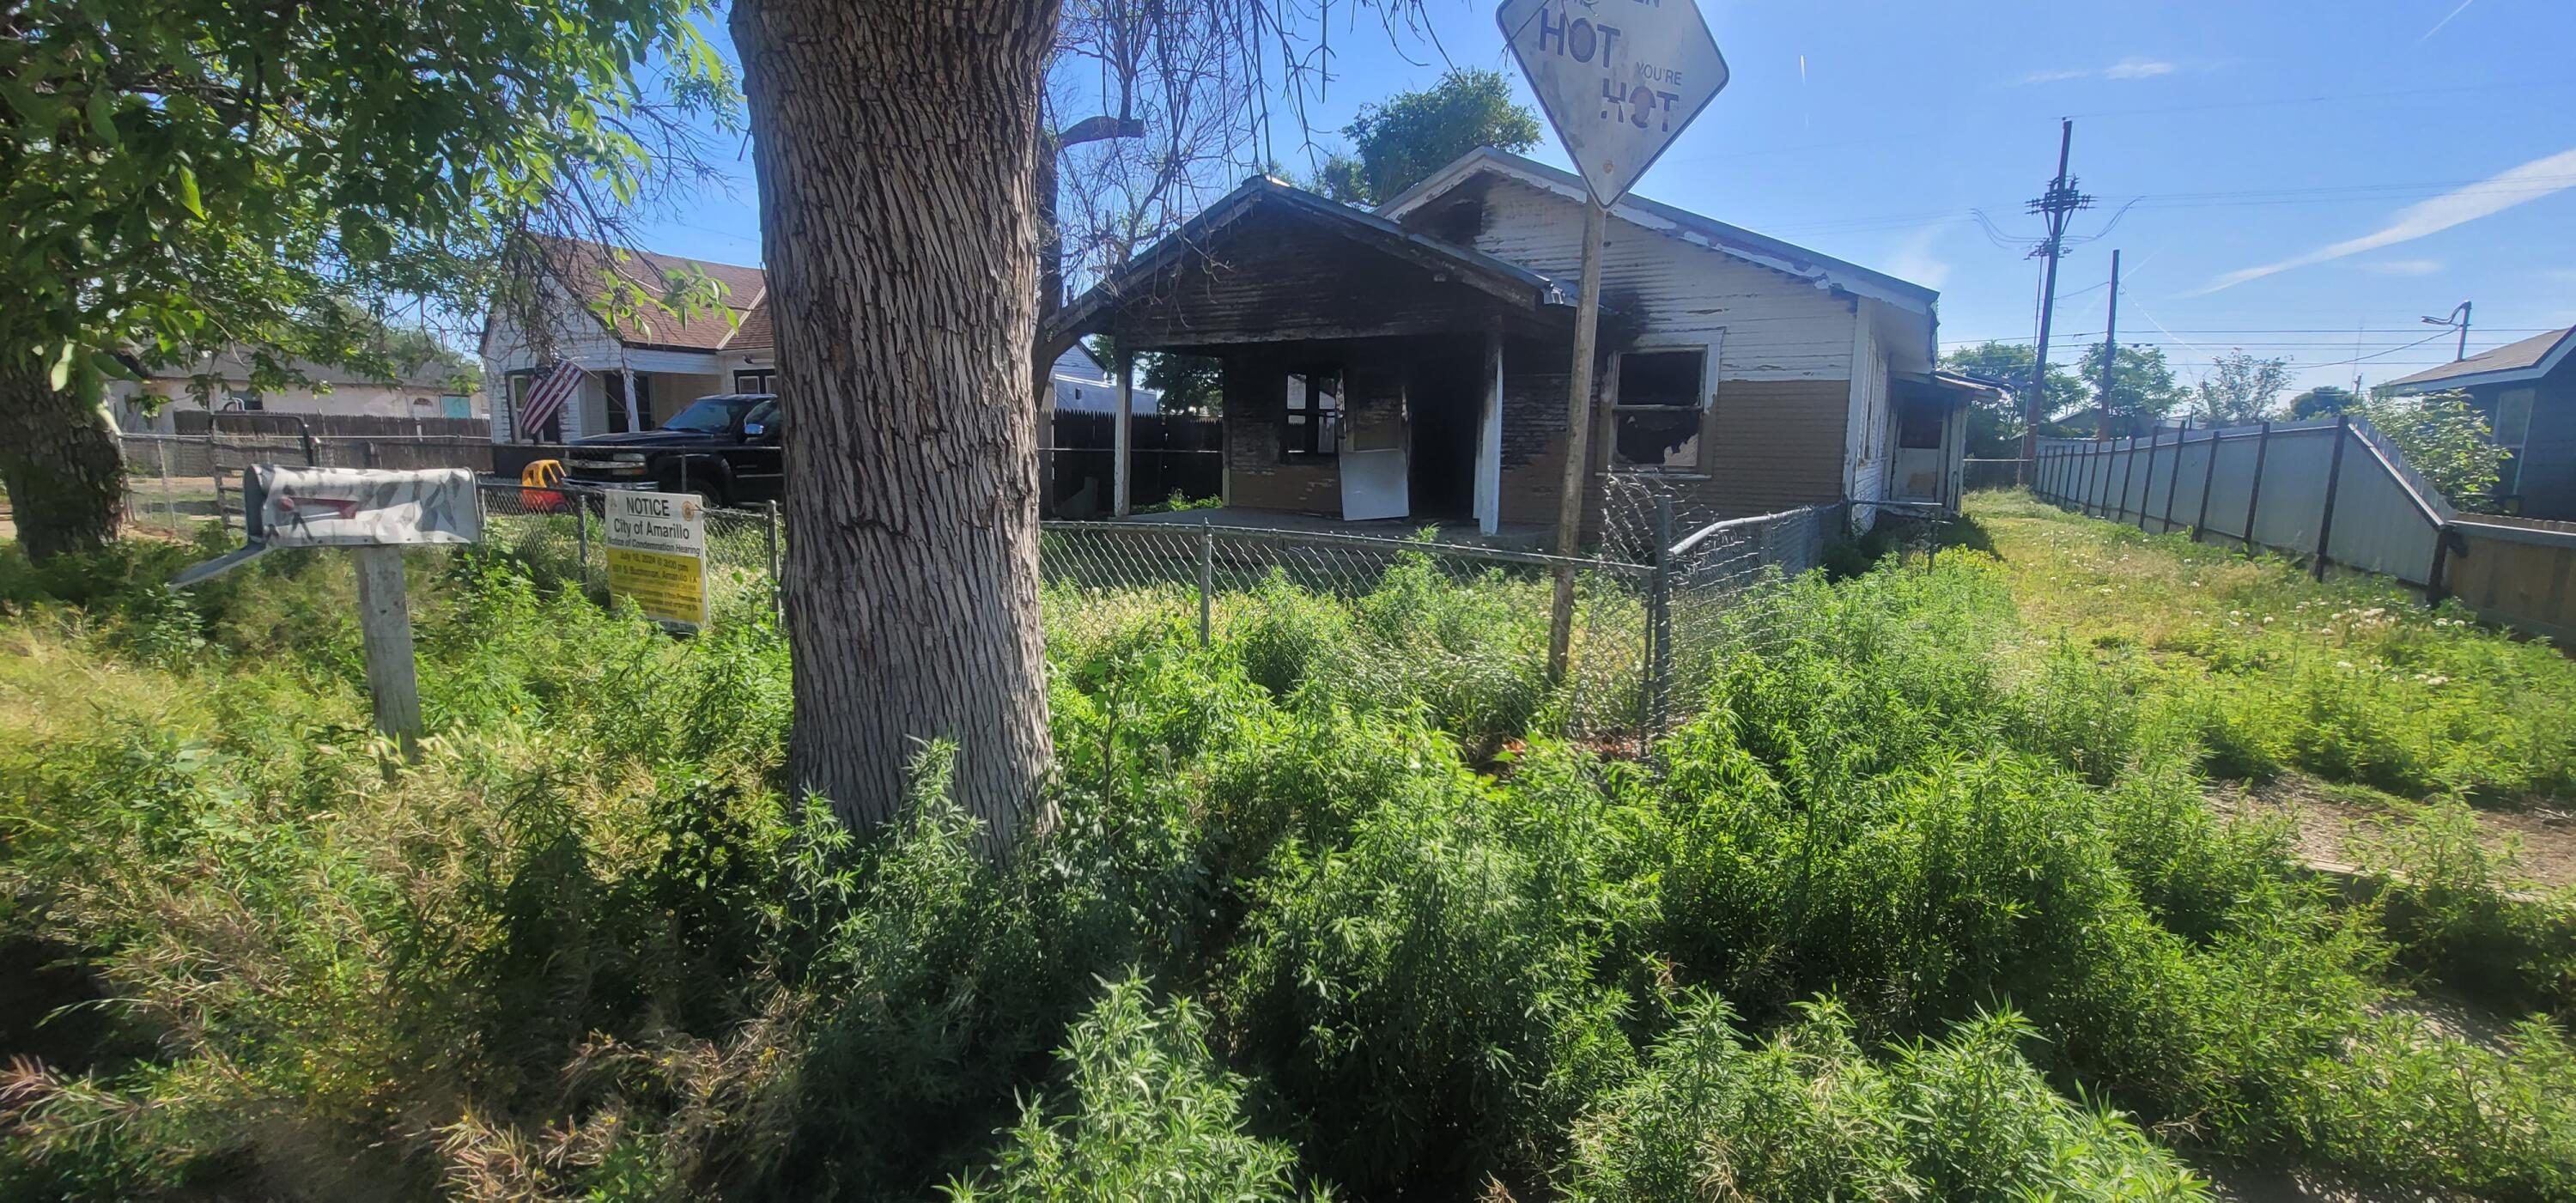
(1514, 536)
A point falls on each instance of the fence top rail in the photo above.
(1377, 543)
(1714, 529)
(2486, 527)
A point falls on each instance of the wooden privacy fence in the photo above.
(2334, 492)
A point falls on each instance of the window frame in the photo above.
(1323, 426)
(1704, 402)
(515, 386)
(2509, 478)
(766, 378)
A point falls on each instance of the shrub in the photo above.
(1151, 1116)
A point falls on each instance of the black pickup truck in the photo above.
(724, 448)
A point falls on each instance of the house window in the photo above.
(1655, 423)
(1918, 426)
(1313, 429)
(615, 390)
(757, 380)
(2512, 430)
(246, 400)
(519, 383)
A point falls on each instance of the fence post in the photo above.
(2334, 476)
(2155, 439)
(769, 541)
(169, 501)
(2208, 475)
(1659, 625)
(2254, 489)
(2441, 562)
(1207, 575)
(581, 536)
(2129, 472)
(2173, 475)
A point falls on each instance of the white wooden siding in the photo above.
(1776, 327)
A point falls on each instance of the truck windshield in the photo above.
(710, 415)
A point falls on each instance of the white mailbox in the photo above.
(360, 507)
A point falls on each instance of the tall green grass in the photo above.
(1312, 922)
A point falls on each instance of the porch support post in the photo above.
(634, 413)
(1122, 435)
(1489, 435)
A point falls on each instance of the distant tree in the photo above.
(2143, 392)
(1413, 134)
(1187, 383)
(2445, 439)
(2240, 389)
(2323, 401)
(1994, 426)
(178, 179)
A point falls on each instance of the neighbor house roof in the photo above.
(1472, 267)
(1788, 258)
(2530, 359)
(235, 364)
(591, 270)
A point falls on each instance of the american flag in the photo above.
(546, 397)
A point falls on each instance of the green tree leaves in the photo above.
(1416, 133)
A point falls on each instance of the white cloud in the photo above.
(1913, 259)
(2529, 182)
(2127, 68)
(2403, 267)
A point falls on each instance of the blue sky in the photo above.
(2299, 168)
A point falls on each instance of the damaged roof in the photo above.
(1759, 249)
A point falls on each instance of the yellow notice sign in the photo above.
(672, 588)
(657, 554)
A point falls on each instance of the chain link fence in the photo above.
(1712, 580)
(1460, 629)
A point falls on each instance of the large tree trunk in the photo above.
(59, 461)
(893, 154)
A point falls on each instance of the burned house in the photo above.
(1412, 362)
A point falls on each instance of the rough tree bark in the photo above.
(894, 160)
(60, 463)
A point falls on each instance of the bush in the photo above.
(1152, 1116)
(1805, 1114)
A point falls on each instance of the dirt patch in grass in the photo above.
(2234, 1183)
(2328, 817)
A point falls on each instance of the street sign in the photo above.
(1619, 79)
(657, 554)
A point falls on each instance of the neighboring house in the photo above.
(224, 380)
(665, 361)
(2527, 392)
(1083, 386)
(1412, 361)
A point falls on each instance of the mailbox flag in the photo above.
(546, 397)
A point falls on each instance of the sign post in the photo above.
(1619, 80)
(657, 554)
(375, 514)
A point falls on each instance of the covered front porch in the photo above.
(1369, 374)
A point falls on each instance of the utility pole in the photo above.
(2110, 354)
(2055, 206)
(2460, 318)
